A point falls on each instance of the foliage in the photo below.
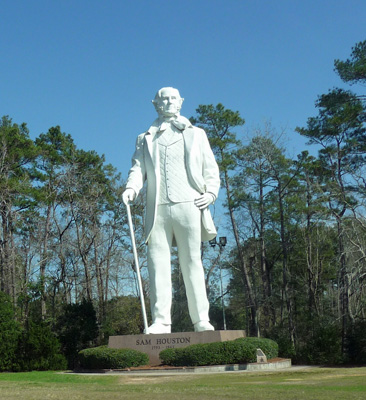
(218, 123)
(356, 342)
(321, 344)
(281, 336)
(296, 254)
(77, 328)
(34, 347)
(123, 317)
(339, 128)
(10, 332)
(17, 195)
(103, 357)
(353, 70)
(239, 351)
(39, 349)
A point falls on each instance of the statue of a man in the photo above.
(177, 163)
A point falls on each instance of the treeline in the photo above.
(296, 236)
(299, 225)
(63, 229)
(63, 235)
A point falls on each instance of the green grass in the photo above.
(309, 384)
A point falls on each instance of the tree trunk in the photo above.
(254, 326)
(44, 260)
(285, 270)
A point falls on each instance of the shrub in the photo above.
(77, 329)
(268, 346)
(356, 342)
(39, 349)
(10, 332)
(239, 351)
(321, 346)
(281, 336)
(103, 357)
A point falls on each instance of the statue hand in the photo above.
(128, 196)
(204, 200)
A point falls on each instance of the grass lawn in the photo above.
(309, 384)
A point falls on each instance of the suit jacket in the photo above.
(202, 170)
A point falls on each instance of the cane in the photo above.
(132, 233)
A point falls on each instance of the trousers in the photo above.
(181, 221)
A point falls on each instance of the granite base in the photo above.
(154, 344)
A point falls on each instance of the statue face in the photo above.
(169, 102)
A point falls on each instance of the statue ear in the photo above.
(155, 104)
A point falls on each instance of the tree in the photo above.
(252, 186)
(338, 130)
(17, 155)
(56, 149)
(218, 123)
(314, 234)
(266, 189)
(77, 329)
(123, 316)
(353, 70)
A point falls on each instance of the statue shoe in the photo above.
(157, 328)
(202, 326)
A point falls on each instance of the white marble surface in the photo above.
(182, 219)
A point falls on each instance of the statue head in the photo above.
(167, 102)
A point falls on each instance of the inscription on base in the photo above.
(168, 343)
(154, 344)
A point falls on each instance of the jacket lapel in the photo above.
(149, 138)
(152, 146)
(188, 135)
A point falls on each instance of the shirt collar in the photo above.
(159, 125)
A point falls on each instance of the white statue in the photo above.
(176, 161)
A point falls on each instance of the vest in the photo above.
(174, 182)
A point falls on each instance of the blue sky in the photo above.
(93, 67)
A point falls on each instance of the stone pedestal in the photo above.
(154, 344)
